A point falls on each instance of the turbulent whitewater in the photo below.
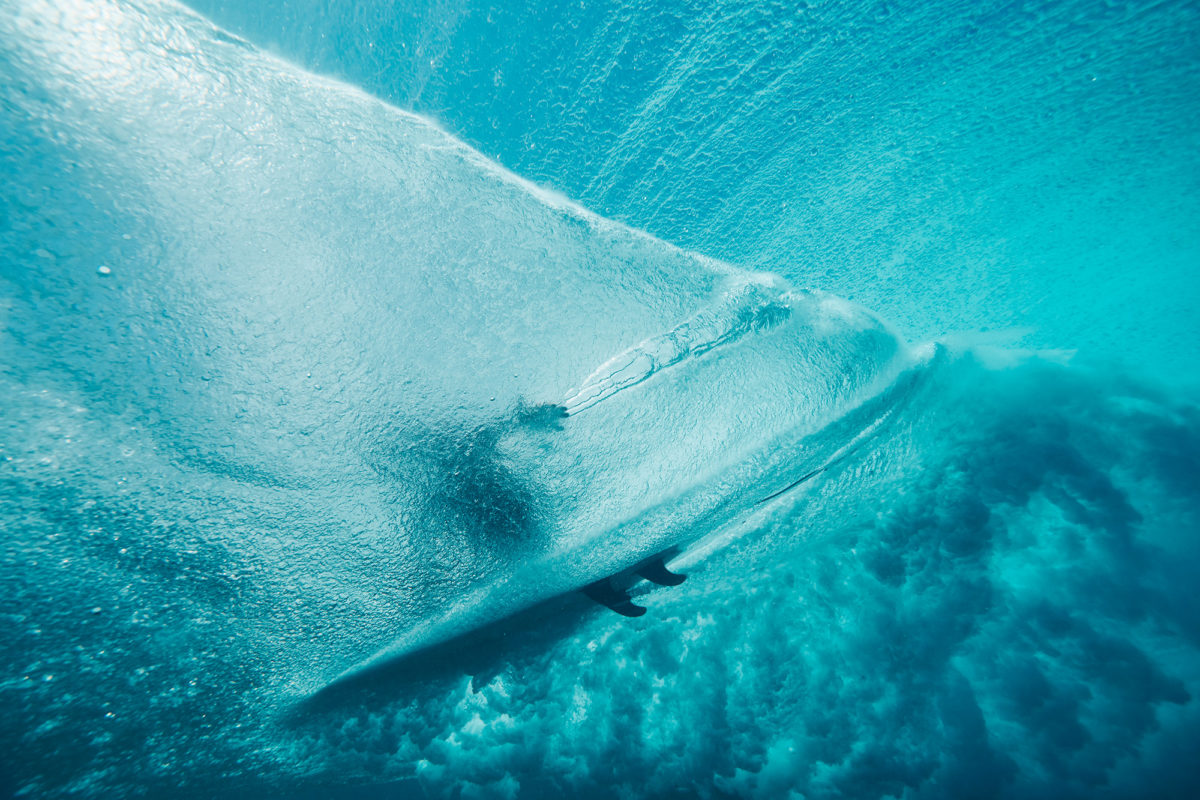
(297, 388)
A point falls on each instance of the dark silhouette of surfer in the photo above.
(478, 492)
(465, 488)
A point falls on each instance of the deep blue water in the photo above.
(344, 342)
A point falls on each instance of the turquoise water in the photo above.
(344, 343)
(1030, 168)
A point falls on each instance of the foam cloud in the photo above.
(993, 603)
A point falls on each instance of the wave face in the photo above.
(953, 166)
(298, 386)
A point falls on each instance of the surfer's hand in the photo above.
(549, 416)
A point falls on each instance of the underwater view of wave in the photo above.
(360, 360)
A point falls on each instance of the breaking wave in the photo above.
(293, 381)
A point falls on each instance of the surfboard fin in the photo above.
(604, 593)
(656, 572)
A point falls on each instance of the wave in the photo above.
(294, 382)
(989, 599)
